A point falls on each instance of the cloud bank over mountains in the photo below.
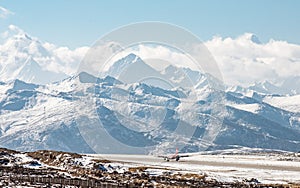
(31, 60)
(243, 60)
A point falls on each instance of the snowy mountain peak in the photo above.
(15, 31)
(20, 85)
(18, 38)
(122, 64)
(22, 36)
(170, 69)
(85, 77)
(26, 58)
(129, 59)
(25, 44)
(132, 57)
(132, 69)
(111, 80)
(266, 87)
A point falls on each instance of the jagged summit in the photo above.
(20, 85)
(123, 64)
(26, 58)
(85, 77)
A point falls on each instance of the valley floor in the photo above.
(267, 168)
(62, 169)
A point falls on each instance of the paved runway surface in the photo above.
(266, 168)
(207, 160)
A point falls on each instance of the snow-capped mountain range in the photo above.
(76, 112)
(55, 116)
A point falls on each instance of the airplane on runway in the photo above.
(175, 156)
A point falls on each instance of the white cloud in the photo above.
(70, 58)
(157, 56)
(97, 57)
(4, 13)
(19, 46)
(242, 60)
(245, 61)
(152, 53)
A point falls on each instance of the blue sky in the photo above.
(79, 23)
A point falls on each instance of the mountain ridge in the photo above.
(51, 115)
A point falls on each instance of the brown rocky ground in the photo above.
(59, 169)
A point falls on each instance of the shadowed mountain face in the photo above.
(138, 115)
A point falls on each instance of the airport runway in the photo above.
(209, 160)
(227, 168)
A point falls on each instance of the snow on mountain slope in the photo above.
(289, 103)
(247, 107)
(42, 121)
(266, 88)
(184, 77)
(47, 107)
(137, 105)
(264, 109)
(64, 114)
(287, 87)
